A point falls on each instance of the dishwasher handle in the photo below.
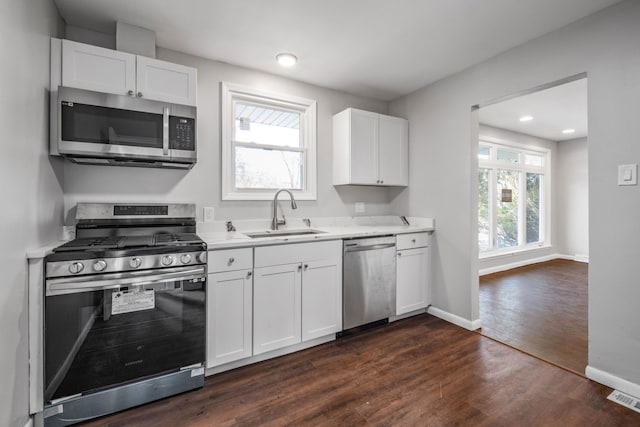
(355, 248)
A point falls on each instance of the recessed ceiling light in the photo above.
(286, 59)
(526, 118)
(568, 131)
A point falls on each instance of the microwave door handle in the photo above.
(165, 131)
(84, 284)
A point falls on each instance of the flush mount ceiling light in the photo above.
(526, 118)
(568, 131)
(286, 59)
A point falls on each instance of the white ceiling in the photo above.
(554, 109)
(376, 48)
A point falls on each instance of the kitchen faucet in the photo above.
(275, 222)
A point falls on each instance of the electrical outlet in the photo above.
(207, 213)
(359, 207)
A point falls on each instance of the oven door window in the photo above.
(111, 126)
(102, 338)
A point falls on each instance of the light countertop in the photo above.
(331, 230)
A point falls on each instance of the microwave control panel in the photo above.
(182, 133)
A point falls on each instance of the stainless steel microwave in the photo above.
(107, 129)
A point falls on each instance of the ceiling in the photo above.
(553, 110)
(375, 48)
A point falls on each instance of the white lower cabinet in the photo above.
(297, 294)
(229, 307)
(321, 298)
(412, 273)
(277, 304)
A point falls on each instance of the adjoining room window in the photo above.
(268, 143)
(513, 208)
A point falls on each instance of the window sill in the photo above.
(510, 253)
(247, 196)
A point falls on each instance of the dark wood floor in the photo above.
(540, 309)
(420, 371)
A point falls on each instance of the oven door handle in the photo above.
(74, 285)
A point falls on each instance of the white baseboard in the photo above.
(471, 325)
(612, 381)
(505, 267)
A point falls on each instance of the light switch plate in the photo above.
(628, 174)
(207, 213)
(359, 207)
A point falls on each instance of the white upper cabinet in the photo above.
(393, 151)
(370, 149)
(110, 71)
(95, 68)
(165, 81)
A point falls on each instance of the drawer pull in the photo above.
(231, 261)
(249, 274)
(413, 240)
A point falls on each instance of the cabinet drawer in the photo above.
(412, 240)
(230, 260)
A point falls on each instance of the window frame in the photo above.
(493, 165)
(231, 93)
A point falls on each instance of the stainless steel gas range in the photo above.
(125, 317)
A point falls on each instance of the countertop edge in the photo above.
(243, 241)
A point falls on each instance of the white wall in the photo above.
(573, 199)
(32, 201)
(202, 184)
(499, 135)
(443, 156)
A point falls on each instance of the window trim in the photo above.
(493, 164)
(308, 118)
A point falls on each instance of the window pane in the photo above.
(508, 156)
(534, 192)
(262, 124)
(484, 224)
(533, 160)
(268, 169)
(507, 212)
(484, 153)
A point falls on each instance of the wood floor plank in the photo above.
(420, 371)
(540, 309)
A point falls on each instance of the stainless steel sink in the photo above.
(283, 233)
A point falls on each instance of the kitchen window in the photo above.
(268, 143)
(513, 198)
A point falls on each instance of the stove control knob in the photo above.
(186, 258)
(135, 262)
(99, 265)
(167, 260)
(202, 257)
(76, 267)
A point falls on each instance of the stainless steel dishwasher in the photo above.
(369, 280)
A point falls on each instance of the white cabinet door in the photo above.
(165, 81)
(95, 68)
(321, 298)
(276, 307)
(229, 316)
(393, 148)
(364, 147)
(412, 280)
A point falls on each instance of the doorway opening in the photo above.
(533, 240)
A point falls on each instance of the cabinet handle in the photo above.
(130, 92)
(381, 181)
(306, 266)
(139, 94)
(378, 181)
(299, 267)
(399, 253)
(231, 261)
(413, 240)
(249, 274)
